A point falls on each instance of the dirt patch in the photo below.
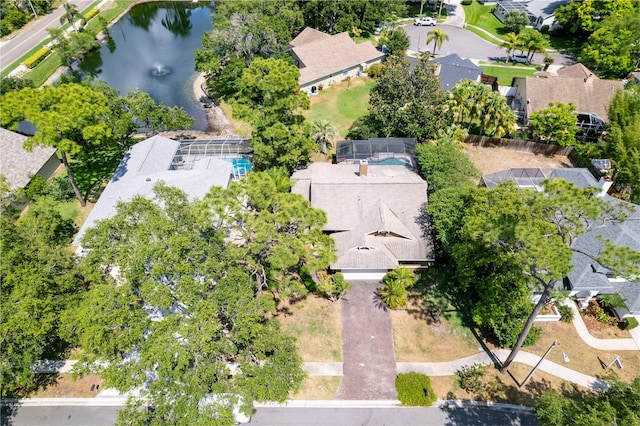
(66, 387)
(318, 387)
(316, 324)
(490, 160)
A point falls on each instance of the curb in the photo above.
(333, 403)
(115, 401)
(457, 403)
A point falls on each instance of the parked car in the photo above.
(425, 21)
(383, 26)
(520, 58)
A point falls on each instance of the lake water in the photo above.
(152, 49)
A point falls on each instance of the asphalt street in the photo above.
(467, 45)
(33, 33)
(283, 416)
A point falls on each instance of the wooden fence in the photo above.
(519, 145)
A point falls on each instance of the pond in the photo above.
(152, 48)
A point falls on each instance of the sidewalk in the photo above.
(630, 344)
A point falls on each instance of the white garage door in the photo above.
(363, 274)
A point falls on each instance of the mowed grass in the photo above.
(341, 103)
(317, 325)
(318, 387)
(481, 16)
(506, 74)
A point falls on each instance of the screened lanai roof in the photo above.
(533, 177)
(387, 151)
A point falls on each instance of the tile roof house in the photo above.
(147, 163)
(588, 278)
(452, 69)
(325, 59)
(18, 165)
(575, 84)
(374, 214)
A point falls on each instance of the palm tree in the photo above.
(437, 36)
(71, 13)
(534, 42)
(324, 132)
(511, 43)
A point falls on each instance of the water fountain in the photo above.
(159, 70)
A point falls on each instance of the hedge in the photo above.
(629, 323)
(37, 57)
(415, 389)
(91, 14)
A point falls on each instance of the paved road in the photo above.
(282, 416)
(467, 45)
(369, 364)
(33, 33)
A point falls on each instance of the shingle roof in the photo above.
(16, 163)
(454, 69)
(147, 163)
(323, 56)
(589, 95)
(576, 71)
(308, 35)
(374, 219)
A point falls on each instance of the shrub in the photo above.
(415, 389)
(37, 57)
(332, 286)
(595, 310)
(393, 295)
(629, 323)
(60, 189)
(36, 187)
(466, 2)
(471, 378)
(566, 313)
(375, 70)
(91, 14)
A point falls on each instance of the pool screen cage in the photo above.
(191, 151)
(388, 151)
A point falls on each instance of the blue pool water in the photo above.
(240, 165)
(389, 162)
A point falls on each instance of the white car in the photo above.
(425, 21)
(520, 58)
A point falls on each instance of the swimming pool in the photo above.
(240, 165)
(388, 162)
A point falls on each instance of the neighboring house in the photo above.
(375, 214)
(539, 12)
(149, 162)
(326, 59)
(19, 165)
(575, 84)
(588, 278)
(452, 69)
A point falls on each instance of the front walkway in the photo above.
(630, 344)
(369, 364)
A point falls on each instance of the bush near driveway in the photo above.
(415, 389)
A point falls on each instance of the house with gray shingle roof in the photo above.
(588, 278)
(147, 163)
(452, 69)
(325, 59)
(375, 214)
(18, 165)
(575, 84)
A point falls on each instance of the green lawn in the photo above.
(481, 16)
(505, 74)
(340, 104)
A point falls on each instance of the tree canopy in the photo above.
(177, 308)
(555, 124)
(535, 232)
(618, 405)
(39, 280)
